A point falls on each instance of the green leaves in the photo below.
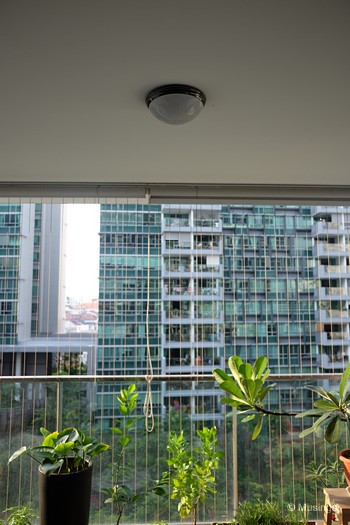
(67, 451)
(119, 494)
(19, 515)
(246, 388)
(331, 410)
(192, 474)
(247, 391)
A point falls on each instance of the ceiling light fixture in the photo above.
(175, 103)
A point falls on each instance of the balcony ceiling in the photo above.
(75, 73)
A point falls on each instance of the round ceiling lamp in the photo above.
(175, 103)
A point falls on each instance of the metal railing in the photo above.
(272, 467)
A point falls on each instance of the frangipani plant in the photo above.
(247, 390)
(247, 393)
(331, 409)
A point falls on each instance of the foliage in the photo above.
(75, 410)
(247, 394)
(20, 515)
(326, 474)
(331, 409)
(120, 494)
(192, 475)
(247, 390)
(65, 451)
(266, 513)
(9, 394)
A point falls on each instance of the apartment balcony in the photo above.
(184, 340)
(207, 290)
(206, 270)
(199, 225)
(176, 292)
(326, 362)
(333, 316)
(328, 228)
(181, 404)
(207, 225)
(175, 247)
(204, 248)
(208, 247)
(323, 271)
(176, 269)
(326, 249)
(197, 366)
(174, 224)
(333, 339)
(332, 293)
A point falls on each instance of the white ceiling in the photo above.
(75, 73)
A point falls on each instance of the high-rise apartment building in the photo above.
(192, 306)
(130, 298)
(32, 286)
(214, 281)
(331, 251)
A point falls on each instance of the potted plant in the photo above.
(120, 494)
(192, 475)
(65, 473)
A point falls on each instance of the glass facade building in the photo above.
(214, 281)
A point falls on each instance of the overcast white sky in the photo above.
(82, 251)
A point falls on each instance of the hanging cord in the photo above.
(148, 404)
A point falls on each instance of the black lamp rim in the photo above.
(175, 89)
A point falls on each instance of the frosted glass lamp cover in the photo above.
(175, 103)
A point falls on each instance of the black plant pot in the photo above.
(64, 499)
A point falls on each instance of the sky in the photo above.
(82, 251)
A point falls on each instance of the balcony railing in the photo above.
(185, 402)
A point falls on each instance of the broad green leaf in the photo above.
(248, 418)
(315, 426)
(259, 366)
(124, 441)
(44, 431)
(232, 388)
(117, 430)
(323, 393)
(230, 401)
(101, 447)
(265, 375)
(325, 404)
(332, 433)
(50, 440)
(257, 428)
(246, 370)
(63, 449)
(160, 491)
(344, 383)
(235, 401)
(249, 386)
(311, 412)
(220, 375)
(265, 390)
(123, 410)
(46, 468)
(234, 363)
(74, 435)
(18, 453)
